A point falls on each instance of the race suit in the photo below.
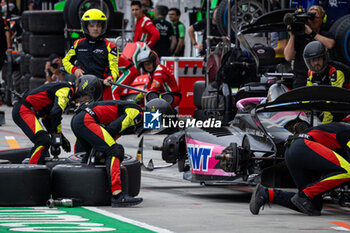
(99, 124)
(331, 76)
(96, 57)
(47, 102)
(162, 80)
(145, 31)
(318, 161)
(129, 73)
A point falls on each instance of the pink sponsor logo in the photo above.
(202, 158)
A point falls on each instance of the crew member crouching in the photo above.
(47, 102)
(98, 124)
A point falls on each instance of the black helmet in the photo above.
(161, 105)
(89, 85)
(149, 56)
(313, 50)
(93, 16)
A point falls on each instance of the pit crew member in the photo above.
(318, 160)
(161, 78)
(47, 102)
(98, 125)
(93, 54)
(322, 73)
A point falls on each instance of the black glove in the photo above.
(55, 144)
(65, 144)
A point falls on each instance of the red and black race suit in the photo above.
(48, 102)
(321, 162)
(318, 160)
(99, 124)
(162, 81)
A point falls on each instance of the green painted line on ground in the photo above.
(73, 220)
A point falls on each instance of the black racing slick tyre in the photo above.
(15, 156)
(25, 41)
(35, 82)
(45, 22)
(336, 24)
(246, 11)
(133, 168)
(16, 77)
(220, 14)
(66, 13)
(77, 8)
(24, 83)
(44, 45)
(24, 185)
(24, 64)
(87, 183)
(25, 21)
(341, 52)
(37, 66)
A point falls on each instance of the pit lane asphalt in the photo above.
(180, 206)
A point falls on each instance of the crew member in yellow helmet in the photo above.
(93, 54)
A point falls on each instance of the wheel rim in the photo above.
(90, 4)
(347, 46)
(246, 11)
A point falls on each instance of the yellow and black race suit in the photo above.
(331, 76)
(97, 57)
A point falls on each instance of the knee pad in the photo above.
(42, 138)
(117, 151)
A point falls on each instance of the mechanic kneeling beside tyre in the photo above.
(98, 124)
(319, 161)
(48, 102)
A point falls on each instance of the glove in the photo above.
(55, 144)
(65, 144)
(139, 98)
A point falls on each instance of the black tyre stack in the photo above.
(43, 35)
(341, 31)
(14, 82)
(32, 185)
(24, 185)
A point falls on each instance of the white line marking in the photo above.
(340, 229)
(9, 137)
(128, 220)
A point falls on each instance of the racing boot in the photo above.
(259, 198)
(304, 204)
(124, 200)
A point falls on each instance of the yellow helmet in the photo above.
(93, 16)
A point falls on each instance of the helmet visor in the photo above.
(94, 28)
(317, 63)
(94, 23)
